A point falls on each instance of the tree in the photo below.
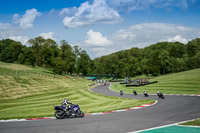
(186, 61)
(83, 63)
(76, 51)
(16, 49)
(21, 58)
(64, 46)
(53, 46)
(194, 62)
(176, 49)
(6, 55)
(144, 66)
(36, 45)
(68, 56)
(6, 42)
(5, 50)
(46, 55)
(1, 47)
(193, 47)
(59, 65)
(163, 59)
(176, 64)
(153, 62)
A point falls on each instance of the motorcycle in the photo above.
(68, 111)
(134, 92)
(121, 92)
(146, 94)
(161, 96)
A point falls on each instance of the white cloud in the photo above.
(86, 14)
(68, 11)
(134, 5)
(49, 35)
(7, 30)
(52, 11)
(140, 35)
(22, 39)
(169, 3)
(96, 39)
(16, 18)
(125, 35)
(28, 18)
(177, 38)
(145, 34)
(98, 49)
(128, 5)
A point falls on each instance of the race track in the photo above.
(171, 110)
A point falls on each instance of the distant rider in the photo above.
(134, 92)
(121, 92)
(145, 93)
(160, 95)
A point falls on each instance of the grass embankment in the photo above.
(192, 123)
(187, 82)
(27, 92)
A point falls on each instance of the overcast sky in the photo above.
(101, 26)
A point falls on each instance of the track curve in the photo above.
(171, 110)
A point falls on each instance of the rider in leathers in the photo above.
(66, 103)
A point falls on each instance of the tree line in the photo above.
(46, 53)
(156, 59)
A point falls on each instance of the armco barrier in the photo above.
(131, 85)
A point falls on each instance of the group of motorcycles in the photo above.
(67, 109)
(159, 94)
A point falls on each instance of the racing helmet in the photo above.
(65, 102)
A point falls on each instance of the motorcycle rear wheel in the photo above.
(59, 114)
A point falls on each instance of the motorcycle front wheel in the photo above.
(80, 113)
(59, 114)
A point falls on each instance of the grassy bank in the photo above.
(178, 83)
(27, 92)
(192, 123)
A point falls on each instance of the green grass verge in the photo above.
(192, 123)
(178, 83)
(33, 95)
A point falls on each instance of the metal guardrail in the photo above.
(132, 85)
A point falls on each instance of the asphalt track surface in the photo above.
(171, 110)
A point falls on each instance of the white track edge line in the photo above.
(188, 126)
(161, 126)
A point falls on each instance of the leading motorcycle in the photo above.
(68, 111)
